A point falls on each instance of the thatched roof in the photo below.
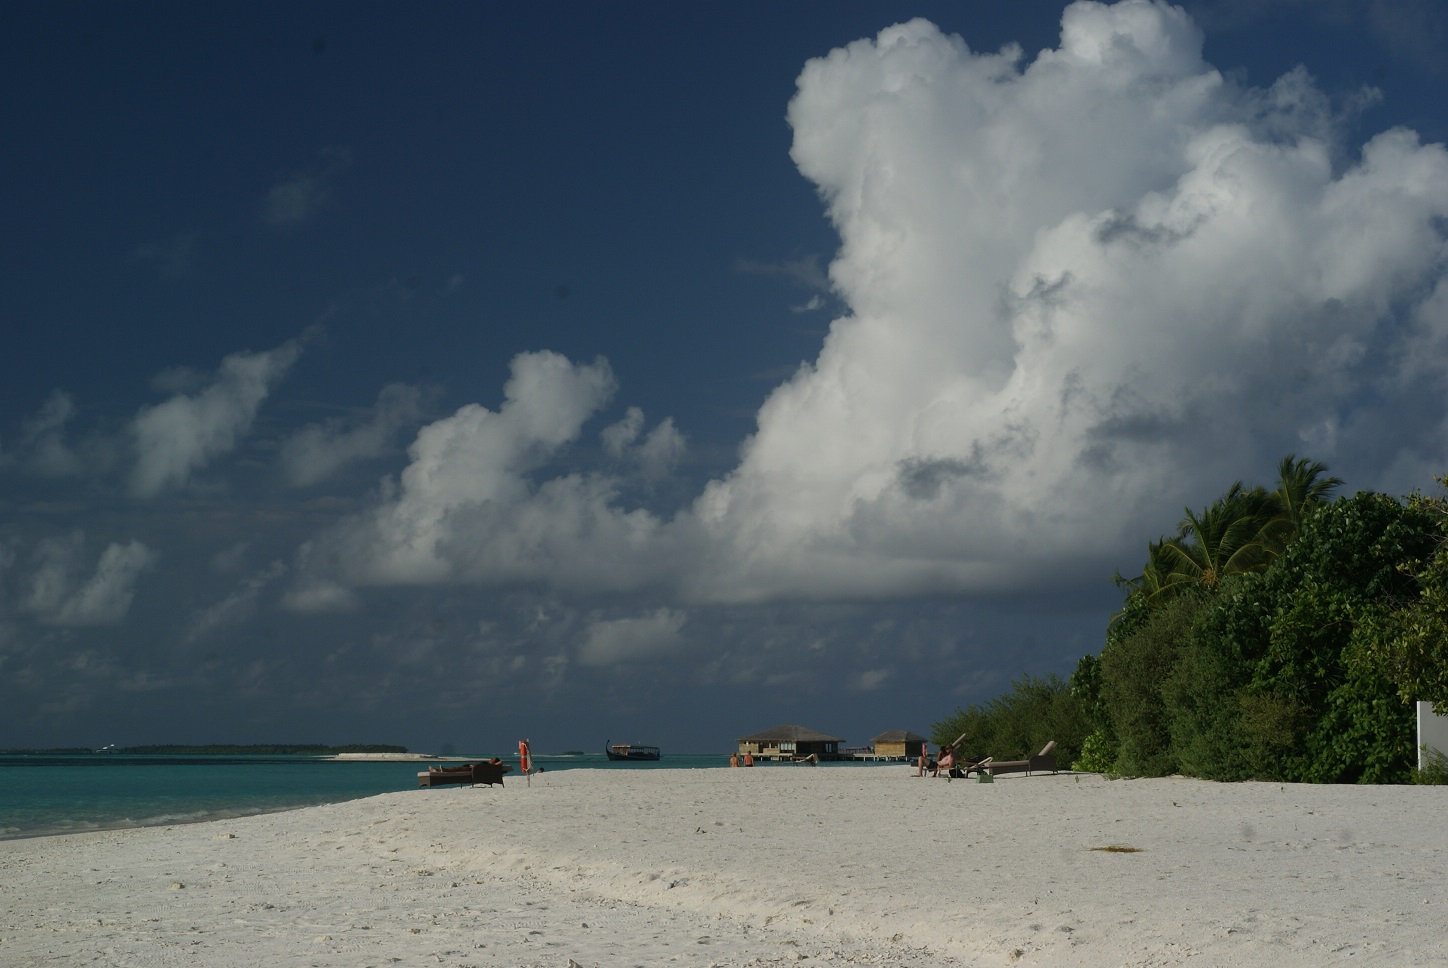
(789, 733)
(899, 736)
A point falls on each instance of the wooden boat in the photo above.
(629, 752)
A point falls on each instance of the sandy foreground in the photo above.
(758, 867)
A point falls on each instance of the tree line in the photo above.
(1279, 634)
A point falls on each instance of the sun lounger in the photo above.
(963, 768)
(975, 766)
(469, 773)
(1042, 762)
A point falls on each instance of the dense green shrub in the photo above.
(1296, 663)
(1203, 698)
(1018, 724)
(1288, 687)
(1410, 644)
(1134, 670)
(1099, 748)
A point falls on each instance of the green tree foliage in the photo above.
(1276, 636)
(1018, 724)
(1301, 487)
(1134, 670)
(1240, 532)
(1099, 748)
(1225, 539)
(1286, 683)
(1410, 643)
(1203, 701)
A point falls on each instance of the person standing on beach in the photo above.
(733, 759)
(748, 758)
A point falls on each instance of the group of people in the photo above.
(933, 767)
(926, 764)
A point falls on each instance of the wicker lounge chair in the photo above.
(469, 773)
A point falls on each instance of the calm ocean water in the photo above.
(42, 795)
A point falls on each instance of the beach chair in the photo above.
(975, 766)
(469, 773)
(1040, 763)
(964, 765)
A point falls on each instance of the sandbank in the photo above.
(849, 865)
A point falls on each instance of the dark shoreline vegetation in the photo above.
(222, 749)
(1278, 635)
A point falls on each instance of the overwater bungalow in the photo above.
(897, 744)
(790, 743)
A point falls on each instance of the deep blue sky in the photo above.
(268, 269)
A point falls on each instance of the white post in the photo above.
(1432, 735)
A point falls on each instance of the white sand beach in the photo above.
(757, 867)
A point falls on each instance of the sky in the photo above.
(444, 375)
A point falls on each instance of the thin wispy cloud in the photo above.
(237, 607)
(319, 450)
(60, 594)
(173, 258)
(299, 197)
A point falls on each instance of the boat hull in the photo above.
(627, 753)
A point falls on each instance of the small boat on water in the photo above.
(627, 751)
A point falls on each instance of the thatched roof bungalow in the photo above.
(790, 742)
(898, 743)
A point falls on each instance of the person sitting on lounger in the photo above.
(947, 762)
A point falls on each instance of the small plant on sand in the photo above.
(1098, 755)
(1435, 770)
(1117, 849)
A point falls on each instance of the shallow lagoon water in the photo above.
(48, 794)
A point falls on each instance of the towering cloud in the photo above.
(1085, 290)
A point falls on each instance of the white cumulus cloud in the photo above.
(656, 455)
(178, 437)
(1084, 290)
(475, 502)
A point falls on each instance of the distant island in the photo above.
(221, 749)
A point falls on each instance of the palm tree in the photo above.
(1225, 539)
(1300, 488)
(1242, 531)
(1155, 581)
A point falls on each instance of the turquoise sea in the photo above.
(46, 794)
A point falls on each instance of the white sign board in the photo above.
(1432, 734)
